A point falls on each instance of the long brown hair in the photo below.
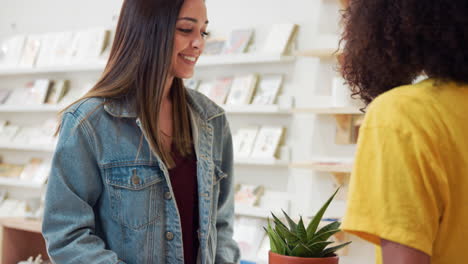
(139, 65)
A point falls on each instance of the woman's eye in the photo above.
(205, 34)
(185, 30)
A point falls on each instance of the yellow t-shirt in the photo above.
(410, 180)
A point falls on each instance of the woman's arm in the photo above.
(394, 253)
(73, 189)
(227, 250)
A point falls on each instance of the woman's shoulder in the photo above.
(405, 106)
(85, 107)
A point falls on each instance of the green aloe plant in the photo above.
(299, 241)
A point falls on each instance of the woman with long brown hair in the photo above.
(142, 172)
(408, 190)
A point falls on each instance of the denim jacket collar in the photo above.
(126, 107)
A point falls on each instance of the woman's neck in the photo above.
(167, 89)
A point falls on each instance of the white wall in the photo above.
(309, 135)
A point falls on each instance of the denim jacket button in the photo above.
(135, 180)
(169, 236)
(167, 195)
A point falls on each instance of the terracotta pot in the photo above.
(274, 258)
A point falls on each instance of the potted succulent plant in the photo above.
(297, 244)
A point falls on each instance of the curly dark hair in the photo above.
(388, 43)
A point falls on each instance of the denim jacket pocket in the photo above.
(135, 194)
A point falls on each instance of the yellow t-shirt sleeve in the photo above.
(393, 189)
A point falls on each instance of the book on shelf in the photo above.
(3, 123)
(268, 89)
(248, 233)
(62, 52)
(242, 90)
(262, 253)
(3, 195)
(44, 56)
(280, 38)
(7, 133)
(108, 46)
(38, 92)
(12, 208)
(347, 129)
(57, 91)
(45, 134)
(248, 195)
(205, 87)
(10, 170)
(214, 46)
(30, 51)
(30, 169)
(89, 45)
(238, 41)
(356, 126)
(216, 90)
(4, 94)
(10, 51)
(244, 140)
(267, 142)
(56, 49)
(74, 94)
(25, 135)
(33, 93)
(191, 83)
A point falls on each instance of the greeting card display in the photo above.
(268, 89)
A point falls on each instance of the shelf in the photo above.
(19, 183)
(256, 109)
(23, 224)
(325, 167)
(251, 211)
(54, 69)
(27, 147)
(245, 58)
(347, 110)
(30, 108)
(261, 162)
(319, 53)
(207, 60)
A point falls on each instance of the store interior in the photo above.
(271, 64)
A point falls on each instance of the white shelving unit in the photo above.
(319, 53)
(261, 162)
(331, 110)
(258, 212)
(230, 109)
(246, 58)
(30, 108)
(325, 46)
(256, 109)
(325, 167)
(203, 61)
(90, 67)
(19, 183)
(27, 147)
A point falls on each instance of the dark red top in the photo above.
(184, 183)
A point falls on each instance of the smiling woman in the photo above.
(142, 172)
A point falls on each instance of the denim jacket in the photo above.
(109, 198)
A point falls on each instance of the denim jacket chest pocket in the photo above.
(136, 194)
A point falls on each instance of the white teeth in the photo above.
(190, 58)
